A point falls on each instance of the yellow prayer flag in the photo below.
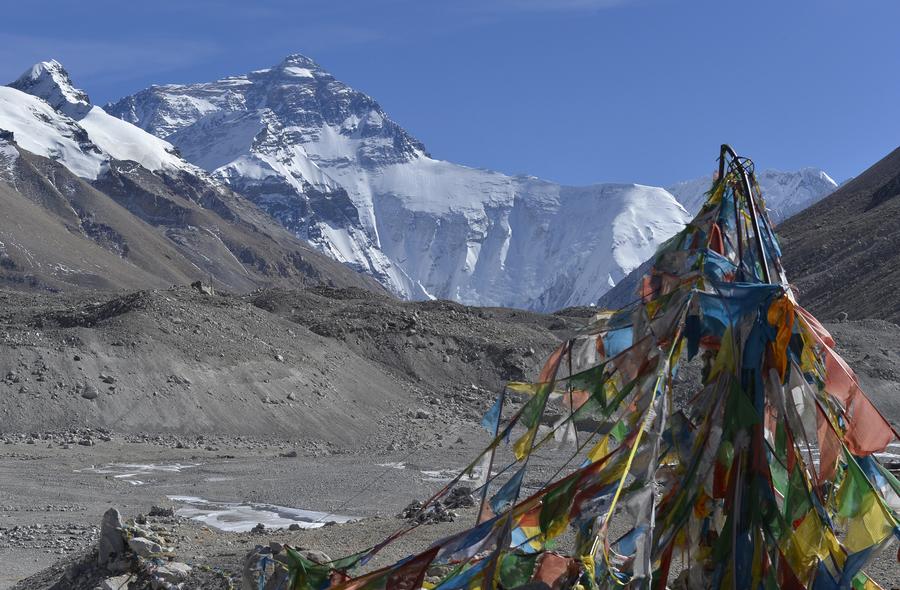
(523, 446)
(725, 358)
(600, 450)
(872, 525)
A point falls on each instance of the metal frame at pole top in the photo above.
(751, 205)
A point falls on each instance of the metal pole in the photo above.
(751, 205)
(737, 212)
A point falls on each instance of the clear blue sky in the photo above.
(576, 91)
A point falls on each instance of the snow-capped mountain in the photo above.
(785, 193)
(329, 163)
(110, 137)
(43, 131)
(89, 200)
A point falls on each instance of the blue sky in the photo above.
(576, 91)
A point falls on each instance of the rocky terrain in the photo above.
(325, 363)
(246, 409)
(293, 398)
(284, 397)
(842, 253)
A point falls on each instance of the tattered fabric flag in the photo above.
(764, 475)
(509, 492)
(491, 420)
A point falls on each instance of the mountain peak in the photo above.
(50, 81)
(297, 59)
(296, 66)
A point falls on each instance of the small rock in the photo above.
(89, 392)
(276, 547)
(179, 380)
(173, 571)
(314, 555)
(259, 528)
(423, 414)
(165, 512)
(292, 396)
(144, 547)
(203, 288)
(294, 527)
(459, 497)
(289, 454)
(279, 358)
(842, 316)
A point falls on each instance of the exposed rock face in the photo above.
(51, 81)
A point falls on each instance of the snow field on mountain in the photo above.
(41, 130)
(124, 141)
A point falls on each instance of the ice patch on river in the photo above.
(129, 472)
(240, 517)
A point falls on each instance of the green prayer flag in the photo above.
(854, 487)
(516, 569)
(556, 506)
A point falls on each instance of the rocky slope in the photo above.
(843, 253)
(91, 201)
(58, 477)
(324, 364)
